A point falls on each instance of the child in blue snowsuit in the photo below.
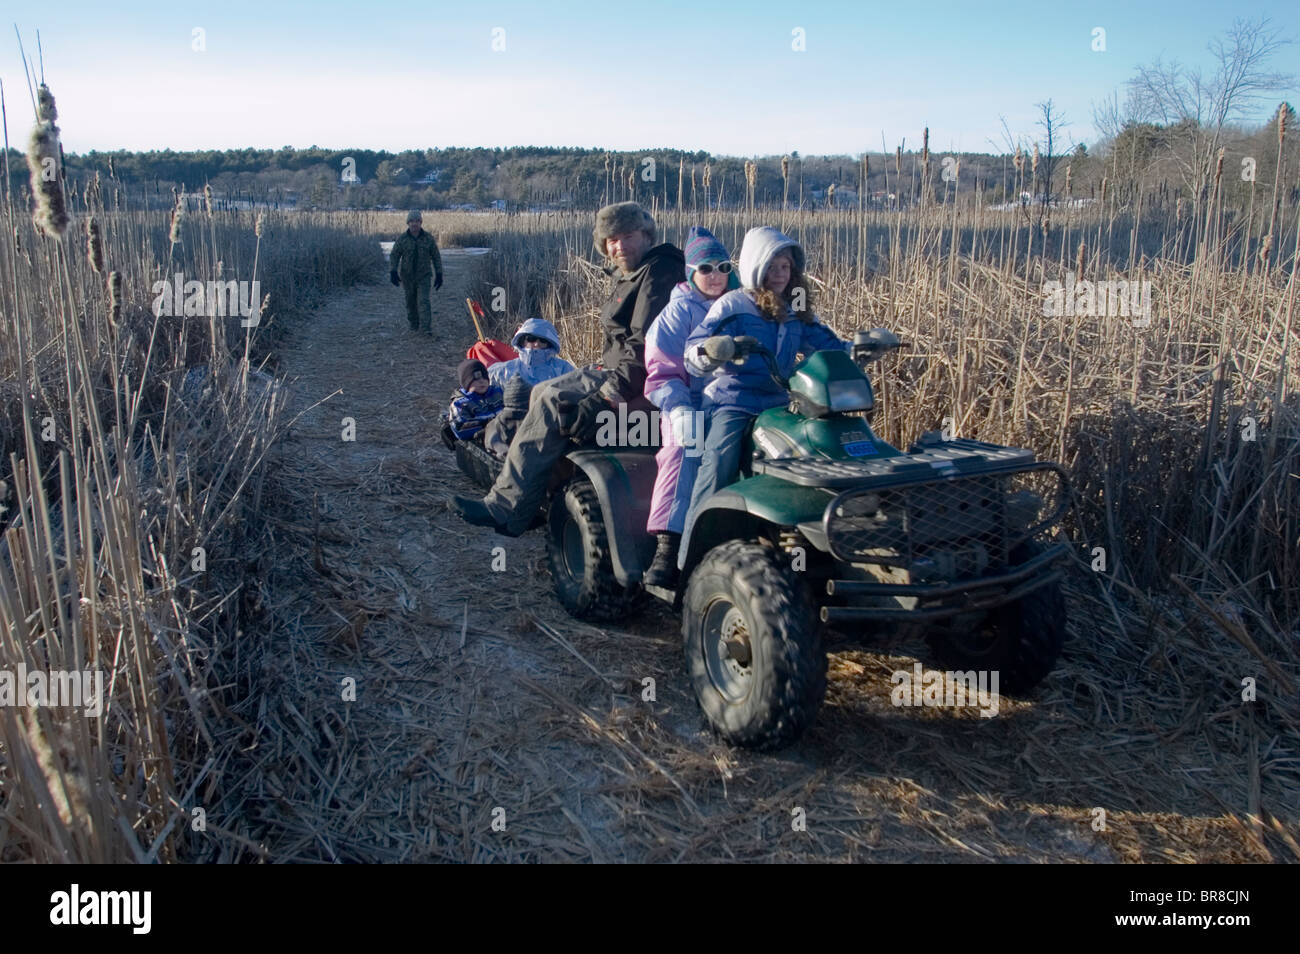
(475, 403)
(773, 283)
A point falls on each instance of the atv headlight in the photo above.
(864, 505)
(850, 395)
(1023, 509)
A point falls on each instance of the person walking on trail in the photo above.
(413, 262)
(565, 410)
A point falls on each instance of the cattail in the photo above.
(1033, 163)
(1178, 210)
(221, 268)
(46, 111)
(1018, 160)
(751, 173)
(830, 195)
(65, 775)
(708, 175)
(1104, 182)
(1266, 246)
(257, 226)
(207, 199)
(898, 160)
(94, 245)
(1069, 176)
(925, 146)
(1218, 170)
(631, 178)
(785, 167)
(114, 299)
(45, 168)
(112, 173)
(178, 217)
(1281, 123)
(1078, 264)
(866, 167)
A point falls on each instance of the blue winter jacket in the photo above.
(748, 385)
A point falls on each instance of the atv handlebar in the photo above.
(872, 345)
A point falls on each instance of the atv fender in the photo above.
(624, 480)
(748, 509)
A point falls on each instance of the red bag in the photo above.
(490, 351)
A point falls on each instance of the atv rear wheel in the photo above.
(1021, 641)
(753, 647)
(577, 550)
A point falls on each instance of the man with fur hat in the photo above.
(566, 409)
(413, 262)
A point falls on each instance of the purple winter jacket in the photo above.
(668, 382)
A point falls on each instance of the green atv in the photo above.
(828, 526)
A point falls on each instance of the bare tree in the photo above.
(1196, 106)
(1053, 124)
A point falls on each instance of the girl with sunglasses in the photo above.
(709, 274)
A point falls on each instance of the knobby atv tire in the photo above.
(1021, 641)
(583, 572)
(787, 667)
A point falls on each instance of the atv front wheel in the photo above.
(1020, 641)
(753, 647)
(577, 550)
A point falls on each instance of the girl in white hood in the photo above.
(775, 306)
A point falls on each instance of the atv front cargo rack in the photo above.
(957, 457)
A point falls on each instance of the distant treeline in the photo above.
(1141, 158)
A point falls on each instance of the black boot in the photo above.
(473, 510)
(663, 570)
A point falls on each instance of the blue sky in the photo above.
(721, 76)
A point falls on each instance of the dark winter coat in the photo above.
(415, 258)
(637, 299)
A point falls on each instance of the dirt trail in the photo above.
(488, 725)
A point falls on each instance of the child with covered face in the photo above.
(538, 344)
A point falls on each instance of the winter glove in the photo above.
(392, 276)
(682, 419)
(746, 345)
(719, 348)
(580, 418)
(437, 282)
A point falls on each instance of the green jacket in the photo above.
(411, 257)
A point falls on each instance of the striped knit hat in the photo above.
(702, 246)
